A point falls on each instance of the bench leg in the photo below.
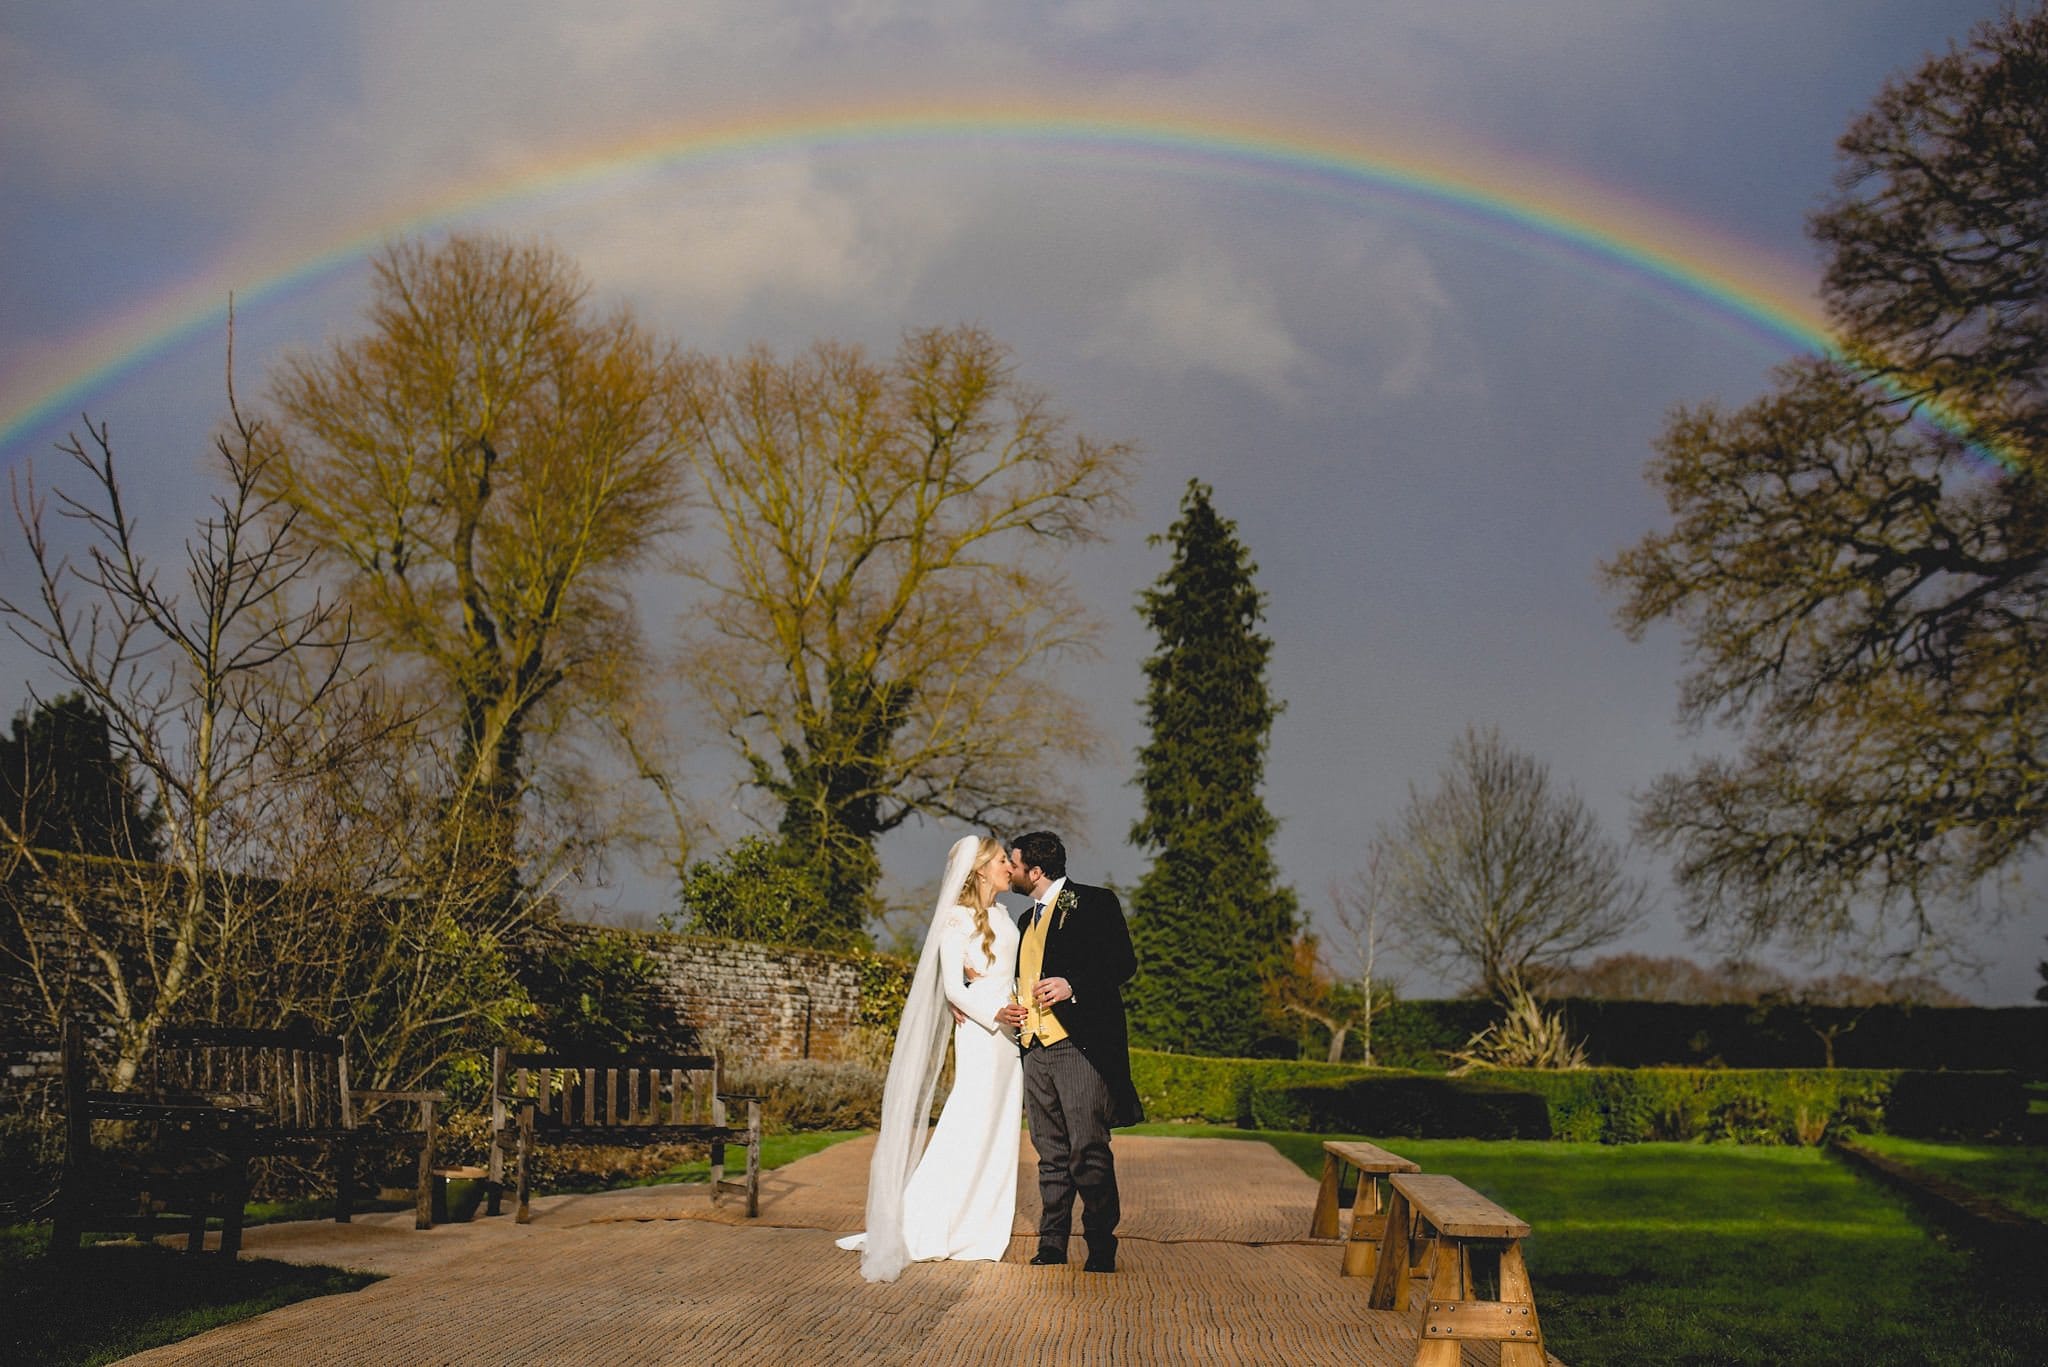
(1447, 1283)
(1368, 1226)
(423, 1194)
(344, 1180)
(1390, 1278)
(1515, 1286)
(1323, 1223)
(753, 1159)
(231, 1218)
(525, 1215)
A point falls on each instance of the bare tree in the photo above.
(1498, 875)
(888, 612)
(185, 667)
(485, 468)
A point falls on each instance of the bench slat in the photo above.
(1455, 1209)
(1369, 1157)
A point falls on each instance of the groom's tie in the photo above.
(1037, 910)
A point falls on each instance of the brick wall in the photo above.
(753, 1003)
(757, 1003)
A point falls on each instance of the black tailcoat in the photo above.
(1090, 946)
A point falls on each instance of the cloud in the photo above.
(1204, 315)
(707, 248)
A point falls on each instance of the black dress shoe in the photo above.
(1048, 1257)
(1105, 1262)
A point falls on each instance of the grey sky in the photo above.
(1428, 426)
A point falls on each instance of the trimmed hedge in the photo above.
(1604, 1105)
(1629, 1034)
(1412, 1105)
(1218, 1090)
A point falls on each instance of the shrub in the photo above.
(591, 989)
(811, 1094)
(1419, 1034)
(1526, 1036)
(1217, 1090)
(1412, 1105)
(1956, 1106)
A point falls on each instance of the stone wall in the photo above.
(753, 1003)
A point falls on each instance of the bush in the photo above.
(1218, 1090)
(1630, 1034)
(1413, 1105)
(1593, 1105)
(1632, 1105)
(811, 1094)
(590, 989)
(1956, 1106)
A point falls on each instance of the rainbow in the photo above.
(1536, 208)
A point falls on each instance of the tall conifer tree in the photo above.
(1211, 920)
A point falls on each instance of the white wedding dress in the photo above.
(961, 1199)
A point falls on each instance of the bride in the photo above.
(954, 1196)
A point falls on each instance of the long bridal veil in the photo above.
(914, 1069)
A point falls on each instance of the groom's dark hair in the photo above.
(1042, 850)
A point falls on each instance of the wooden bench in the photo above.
(640, 1099)
(1469, 1251)
(296, 1086)
(182, 1163)
(1368, 1210)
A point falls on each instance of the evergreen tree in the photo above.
(63, 788)
(1211, 921)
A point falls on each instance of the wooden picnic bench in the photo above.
(1469, 1251)
(295, 1087)
(610, 1099)
(178, 1164)
(1368, 1211)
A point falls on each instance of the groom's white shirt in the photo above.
(1052, 893)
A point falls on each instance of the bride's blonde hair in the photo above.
(979, 897)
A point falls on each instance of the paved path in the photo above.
(1214, 1268)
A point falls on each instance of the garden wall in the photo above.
(758, 1003)
(755, 1003)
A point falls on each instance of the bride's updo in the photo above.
(981, 897)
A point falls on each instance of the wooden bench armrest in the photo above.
(742, 1096)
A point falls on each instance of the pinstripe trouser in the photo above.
(1069, 1109)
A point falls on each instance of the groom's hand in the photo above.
(1052, 990)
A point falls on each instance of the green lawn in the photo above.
(118, 1299)
(2012, 1174)
(1711, 1254)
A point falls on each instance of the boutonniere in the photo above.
(1064, 907)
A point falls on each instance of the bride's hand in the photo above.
(968, 969)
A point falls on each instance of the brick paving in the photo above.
(1215, 1267)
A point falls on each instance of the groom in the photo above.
(1073, 957)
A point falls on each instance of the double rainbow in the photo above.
(1531, 208)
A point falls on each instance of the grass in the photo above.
(1719, 1254)
(776, 1149)
(2011, 1174)
(119, 1299)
